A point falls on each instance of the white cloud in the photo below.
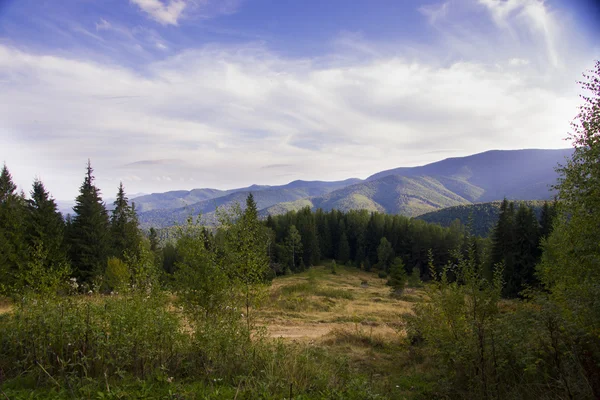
(219, 116)
(435, 12)
(167, 13)
(228, 113)
(532, 15)
(103, 25)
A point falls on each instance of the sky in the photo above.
(180, 94)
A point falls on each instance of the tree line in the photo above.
(40, 250)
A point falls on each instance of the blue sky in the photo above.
(177, 94)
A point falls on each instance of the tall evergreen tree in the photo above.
(293, 245)
(527, 252)
(12, 218)
(124, 230)
(503, 247)
(385, 254)
(343, 253)
(547, 219)
(45, 226)
(89, 232)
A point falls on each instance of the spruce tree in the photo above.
(385, 254)
(12, 244)
(547, 219)
(125, 235)
(45, 226)
(503, 247)
(89, 231)
(526, 250)
(343, 253)
(293, 245)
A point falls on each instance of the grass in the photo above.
(328, 336)
(313, 303)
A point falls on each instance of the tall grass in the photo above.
(83, 346)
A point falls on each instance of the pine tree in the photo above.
(153, 238)
(45, 226)
(294, 248)
(125, 234)
(397, 278)
(7, 186)
(547, 219)
(89, 231)
(527, 253)
(385, 254)
(343, 253)
(12, 232)
(503, 247)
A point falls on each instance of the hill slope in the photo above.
(485, 215)
(484, 177)
(489, 176)
(265, 196)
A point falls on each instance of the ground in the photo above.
(313, 304)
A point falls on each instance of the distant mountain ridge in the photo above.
(411, 191)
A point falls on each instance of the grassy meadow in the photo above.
(317, 335)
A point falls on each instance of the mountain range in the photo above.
(411, 191)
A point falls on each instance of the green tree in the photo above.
(293, 244)
(45, 225)
(527, 252)
(245, 254)
(547, 219)
(569, 268)
(503, 248)
(154, 241)
(124, 230)
(89, 231)
(200, 280)
(397, 278)
(343, 253)
(12, 233)
(385, 254)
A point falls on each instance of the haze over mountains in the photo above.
(410, 191)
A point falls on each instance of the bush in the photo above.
(116, 277)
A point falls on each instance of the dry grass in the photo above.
(5, 306)
(317, 304)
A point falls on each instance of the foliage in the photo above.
(397, 279)
(89, 232)
(385, 254)
(117, 276)
(569, 268)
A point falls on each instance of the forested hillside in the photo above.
(481, 217)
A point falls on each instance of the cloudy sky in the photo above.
(179, 94)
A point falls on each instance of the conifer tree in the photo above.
(89, 231)
(343, 253)
(12, 218)
(503, 247)
(45, 226)
(547, 219)
(294, 247)
(153, 238)
(124, 229)
(527, 251)
(385, 254)
(397, 278)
